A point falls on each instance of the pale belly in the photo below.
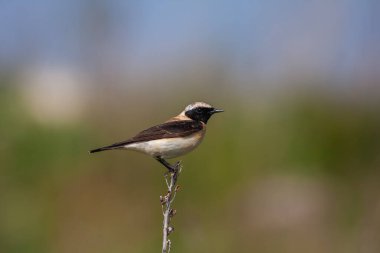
(168, 148)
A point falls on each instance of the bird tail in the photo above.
(99, 149)
(104, 149)
(118, 145)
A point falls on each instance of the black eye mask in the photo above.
(200, 114)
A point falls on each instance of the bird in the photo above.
(173, 138)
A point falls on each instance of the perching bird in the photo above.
(174, 138)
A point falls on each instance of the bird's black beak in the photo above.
(216, 111)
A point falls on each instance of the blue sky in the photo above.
(266, 38)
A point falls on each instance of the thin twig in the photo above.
(166, 202)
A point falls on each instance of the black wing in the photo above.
(171, 129)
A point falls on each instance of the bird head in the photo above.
(200, 111)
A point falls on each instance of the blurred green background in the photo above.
(291, 166)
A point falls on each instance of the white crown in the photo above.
(197, 104)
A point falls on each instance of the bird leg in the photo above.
(170, 167)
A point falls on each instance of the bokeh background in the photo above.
(293, 165)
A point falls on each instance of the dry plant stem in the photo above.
(166, 202)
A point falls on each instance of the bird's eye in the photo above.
(198, 110)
